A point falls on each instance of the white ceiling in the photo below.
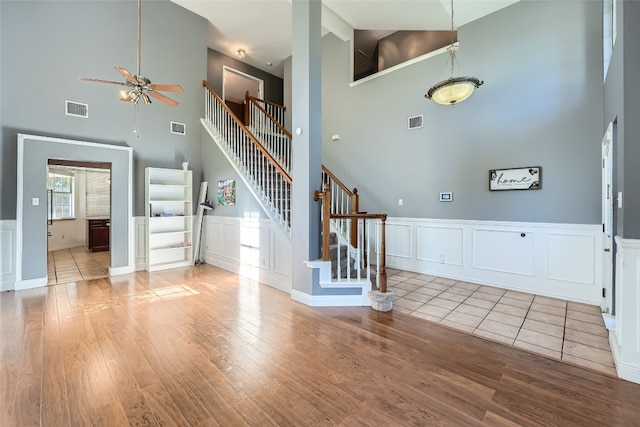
(263, 27)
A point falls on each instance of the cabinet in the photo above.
(168, 197)
(98, 235)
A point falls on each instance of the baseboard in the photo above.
(7, 286)
(118, 271)
(329, 300)
(31, 283)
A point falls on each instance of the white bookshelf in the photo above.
(169, 210)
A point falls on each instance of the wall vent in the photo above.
(178, 128)
(76, 109)
(415, 122)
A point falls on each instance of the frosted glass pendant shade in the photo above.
(453, 90)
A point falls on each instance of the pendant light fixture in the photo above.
(454, 89)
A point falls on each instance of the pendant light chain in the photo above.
(454, 89)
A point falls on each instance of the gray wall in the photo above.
(541, 105)
(629, 149)
(47, 45)
(273, 86)
(217, 167)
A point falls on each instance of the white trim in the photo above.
(224, 252)
(402, 65)
(226, 69)
(8, 255)
(559, 276)
(625, 338)
(19, 213)
(119, 271)
(19, 202)
(31, 283)
(329, 300)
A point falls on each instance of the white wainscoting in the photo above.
(625, 339)
(7, 254)
(140, 242)
(251, 247)
(556, 260)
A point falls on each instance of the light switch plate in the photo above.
(35, 201)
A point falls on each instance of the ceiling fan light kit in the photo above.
(137, 86)
(454, 89)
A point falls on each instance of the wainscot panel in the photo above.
(555, 260)
(252, 248)
(7, 255)
(440, 244)
(625, 339)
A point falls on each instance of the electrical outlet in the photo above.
(399, 202)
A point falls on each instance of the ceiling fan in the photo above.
(138, 87)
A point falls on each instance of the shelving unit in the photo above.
(169, 210)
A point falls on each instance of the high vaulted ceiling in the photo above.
(263, 27)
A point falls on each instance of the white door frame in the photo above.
(23, 169)
(607, 220)
(226, 70)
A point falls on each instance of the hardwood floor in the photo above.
(203, 347)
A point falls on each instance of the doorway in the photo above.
(31, 206)
(78, 220)
(235, 84)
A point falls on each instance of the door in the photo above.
(607, 220)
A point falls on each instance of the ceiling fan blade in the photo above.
(127, 75)
(86, 79)
(167, 88)
(163, 98)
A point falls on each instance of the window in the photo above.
(60, 187)
(98, 197)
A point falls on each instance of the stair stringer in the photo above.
(264, 203)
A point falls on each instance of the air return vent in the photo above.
(76, 109)
(178, 128)
(415, 122)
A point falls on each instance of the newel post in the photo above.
(355, 208)
(247, 117)
(383, 255)
(326, 219)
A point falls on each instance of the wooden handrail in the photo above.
(258, 106)
(337, 181)
(284, 107)
(359, 216)
(257, 143)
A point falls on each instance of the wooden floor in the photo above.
(202, 347)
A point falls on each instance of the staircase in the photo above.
(260, 151)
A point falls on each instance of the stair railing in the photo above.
(265, 120)
(271, 180)
(343, 201)
(371, 240)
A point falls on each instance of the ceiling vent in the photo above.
(178, 128)
(76, 109)
(415, 122)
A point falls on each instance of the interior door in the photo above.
(607, 220)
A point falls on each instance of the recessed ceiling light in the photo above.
(269, 63)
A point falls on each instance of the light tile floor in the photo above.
(69, 265)
(560, 329)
